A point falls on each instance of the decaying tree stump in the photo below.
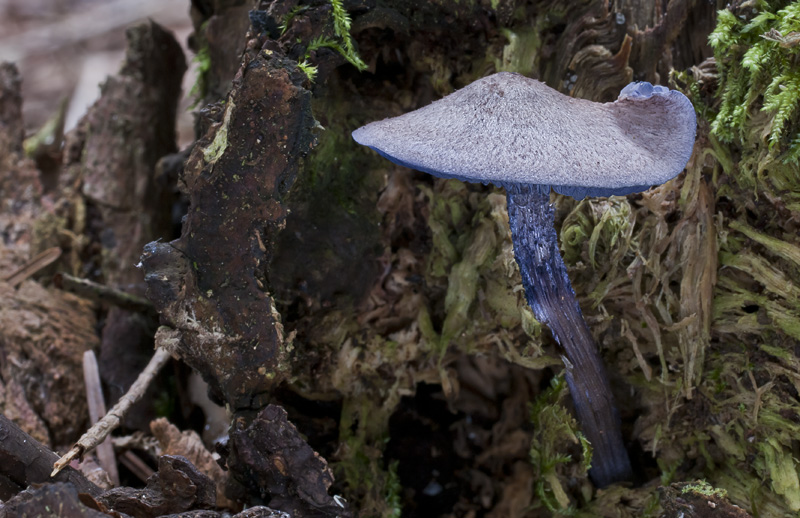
(364, 323)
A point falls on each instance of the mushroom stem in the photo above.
(550, 295)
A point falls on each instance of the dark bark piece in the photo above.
(698, 500)
(270, 457)
(178, 486)
(123, 135)
(25, 461)
(224, 33)
(258, 511)
(210, 283)
(652, 56)
(589, 29)
(550, 295)
(131, 127)
(50, 500)
(189, 444)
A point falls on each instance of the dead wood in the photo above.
(44, 332)
(49, 501)
(25, 461)
(97, 410)
(270, 458)
(209, 284)
(102, 294)
(176, 487)
(108, 182)
(102, 428)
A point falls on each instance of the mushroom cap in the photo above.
(508, 129)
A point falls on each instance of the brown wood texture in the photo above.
(26, 461)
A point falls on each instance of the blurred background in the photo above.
(62, 58)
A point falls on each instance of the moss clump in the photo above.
(704, 488)
(342, 43)
(757, 58)
(757, 52)
(555, 432)
(472, 259)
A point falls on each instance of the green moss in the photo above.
(293, 12)
(363, 425)
(308, 69)
(341, 25)
(555, 436)
(462, 285)
(343, 44)
(394, 492)
(202, 60)
(705, 489)
(782, 470)
(335, 173)
(758, 62)
(472, 257)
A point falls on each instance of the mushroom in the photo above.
(520, 134)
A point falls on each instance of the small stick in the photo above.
(136, 465)
(102, 293)
(34, 265)
(100, 430)
(97, 409)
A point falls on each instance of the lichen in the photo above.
(216, 149)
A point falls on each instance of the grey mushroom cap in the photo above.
(508, 129)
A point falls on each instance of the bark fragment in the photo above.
(178, 486)
(271, 458)
(112, 159)
(188, 444)
(210, 283)
(49, 500)
(698, 500)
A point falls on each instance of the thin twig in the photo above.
(97, 409)
(100, 430)
(34, 265)
(136, 465)
(101, 293)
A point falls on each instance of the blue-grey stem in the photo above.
(550, 295)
